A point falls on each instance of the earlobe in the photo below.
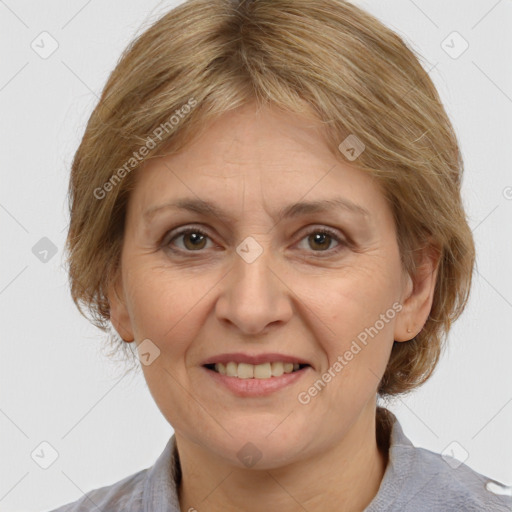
(119, 316)
(418, 297)
(403, 327)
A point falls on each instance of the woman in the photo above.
(266, 203)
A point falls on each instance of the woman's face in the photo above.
(236, 272)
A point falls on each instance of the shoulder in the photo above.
(417, 480)
(125, 495)
(447, 484)
(152, 489)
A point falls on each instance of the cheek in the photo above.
(356, 312)
(356, 298)
(166, 308)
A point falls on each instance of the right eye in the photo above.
(193, 240)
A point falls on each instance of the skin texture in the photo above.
(303, 296)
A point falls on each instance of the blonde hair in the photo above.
(325, 57)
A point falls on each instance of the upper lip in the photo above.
(240, 357)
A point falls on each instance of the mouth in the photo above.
(256, 380)
(268, 370)
(255, 375)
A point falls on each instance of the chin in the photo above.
(260, 443)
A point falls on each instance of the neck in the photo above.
(344, 477)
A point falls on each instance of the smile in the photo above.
(255, 380)
(255, 371)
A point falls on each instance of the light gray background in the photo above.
(56, 384)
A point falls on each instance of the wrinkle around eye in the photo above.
(170, 238)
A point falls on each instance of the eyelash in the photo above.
(327, 231)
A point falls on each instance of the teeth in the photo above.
(262, 371)
(245, 371)
(277, 369)
(255, 371)
(231, 369)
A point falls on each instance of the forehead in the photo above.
(254, 155)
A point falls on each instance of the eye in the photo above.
(193, 239)
(320, 240)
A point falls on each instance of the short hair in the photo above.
(326, 59)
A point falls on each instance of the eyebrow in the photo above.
(203, 207)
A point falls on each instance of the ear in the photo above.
(418, 294)
(119, 315)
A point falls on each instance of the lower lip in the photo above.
(256, 387)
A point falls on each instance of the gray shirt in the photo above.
(415, 480)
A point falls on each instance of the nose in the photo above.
(254, 296)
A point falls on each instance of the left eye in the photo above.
(321, 239)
